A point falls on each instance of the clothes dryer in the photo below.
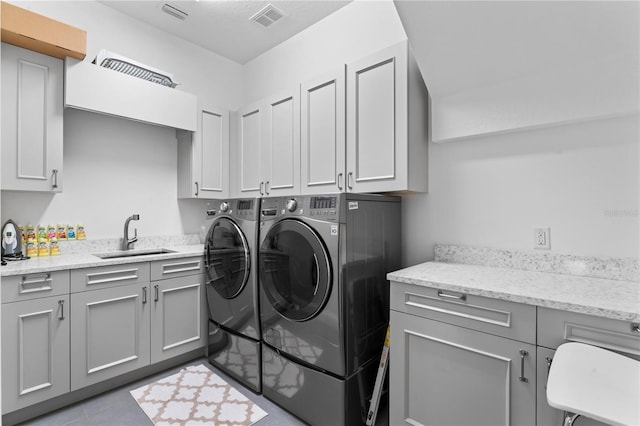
(324, 300)
(232, 292)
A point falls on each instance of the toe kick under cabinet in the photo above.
(65, 330)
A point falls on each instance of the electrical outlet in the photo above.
(542, 238)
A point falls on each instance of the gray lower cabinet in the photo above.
(110, 333)
(35, 351)
(442, 374)
(177, 316)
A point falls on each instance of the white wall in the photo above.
(582, 179)
(114, 167)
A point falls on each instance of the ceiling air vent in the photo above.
(267, 15)
(174, 11)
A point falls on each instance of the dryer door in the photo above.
(227, 258)
(295, 270)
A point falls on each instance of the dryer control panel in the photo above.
(323, 207)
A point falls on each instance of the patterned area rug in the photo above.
(196, 396)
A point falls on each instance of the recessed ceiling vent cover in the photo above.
(174, 11)
(267, 15)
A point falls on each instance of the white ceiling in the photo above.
(461, 45)
(224, 27)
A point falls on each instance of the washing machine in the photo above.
(324, 300)
(232, 290)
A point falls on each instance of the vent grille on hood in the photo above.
(128, 66)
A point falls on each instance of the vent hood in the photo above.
(134, 68)
(98, 89)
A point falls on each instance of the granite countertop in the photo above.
(616, 299)
(87, 260)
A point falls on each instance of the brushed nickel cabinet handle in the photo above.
(340, 181)
(144, 295)
(156, 287)
(61, 305)
(261, 191)
(266, 187)
(197, 189)
(523, 353)
(461, 297)
(350, 180)
(55, 178)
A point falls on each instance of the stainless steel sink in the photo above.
(132, 253)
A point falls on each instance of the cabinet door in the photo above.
(178, 317)
(442, 374)
(322, 139)
(110, 333)
(35, 351)
(32, 133)
(249, 163)
(377, 121)
(203, 156)
(281, 145)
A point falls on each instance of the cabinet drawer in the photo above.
(33, 286)
(557, 327)
(109, 276)
(163, 269)
(499, 317)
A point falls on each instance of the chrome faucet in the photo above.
(126, 241)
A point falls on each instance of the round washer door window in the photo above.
(295, 270)
(227, 258)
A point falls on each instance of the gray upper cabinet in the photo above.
(268, 148)
(281, 144)
(247, 173)
(203, 166)
(35, 351)
(32, 120)
(322, 138)
(387, 123)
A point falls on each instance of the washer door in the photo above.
(295, 270)
(227, 258)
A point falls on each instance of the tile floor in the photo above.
(118, 408)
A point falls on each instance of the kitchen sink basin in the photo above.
(132, 253)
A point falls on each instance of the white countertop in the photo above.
(86, 260)
(614, 299)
